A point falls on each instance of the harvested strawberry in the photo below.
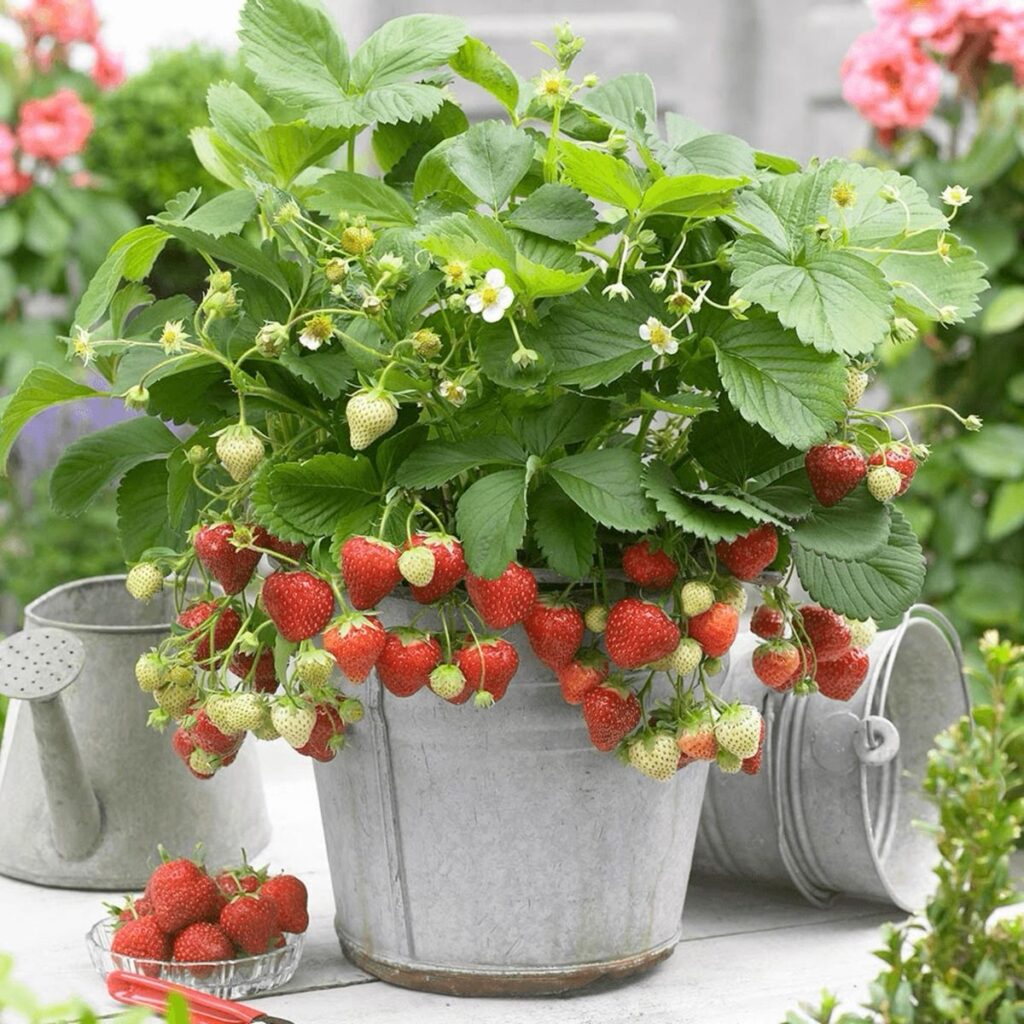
(767, 622)
(369, 567)
(299, 603)
(202, 942)
(250, 921)
(611, 713)
(834, 469)
(355, 641)
(407, 659)
(259, 668)
(326, 738)
(182, 894)
(827, 632)
(748, 556)
(290, 551)
(775, 662)
(214, 624)
(239, 880)
(449, 565)
(142, 939)
(840, 678)
(488, 666)
(232, 567)
(649, 566)
(900, 458)
(555, 632)
(587, 670)
(504, 601)
(715, 630)
(638, 633)
(752, 765)
(696, 740)
(290, 898)
(134, 906)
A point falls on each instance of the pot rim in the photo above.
(34, 617)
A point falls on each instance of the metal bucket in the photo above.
(90, 812)
(836, 806)
(495, 852)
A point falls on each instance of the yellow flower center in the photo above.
(455, 271)
(489, 295)
(659, 334)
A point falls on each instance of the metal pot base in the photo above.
(527, 981)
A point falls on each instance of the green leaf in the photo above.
(540, 281)
(406, 46)
(990, 594)
(142, 518)
(601, 175)
(388, 104)
(693, 150)
(10, 231)
(42, 388)
(1005, 312)
(491, 519)
(751, 511)
(236, 116)
(996, 451)
(490, 159)
(856, 528)
(834, 300)
(606, 484)
(569, 419)
(690, 195)
(358, 194)
(881, 587)
(218, 157)
(292, 49)
(555, 211)
(225, 214)
(1006, 516)
(476, 62)
(700, 518)
(328, 372)
(290, 148)
(399, 148)
(474, 239)
(437, 462)
(625, 102)
(90, 463)
(566, 539)
(793, 392)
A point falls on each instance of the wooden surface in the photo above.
(747, 955)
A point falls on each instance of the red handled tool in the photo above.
(203, 1008)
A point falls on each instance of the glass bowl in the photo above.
(229, 979)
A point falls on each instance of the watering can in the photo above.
(87, 791)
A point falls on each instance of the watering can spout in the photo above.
(35, 666)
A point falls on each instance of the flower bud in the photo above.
(335, 271)
(426, 343)
(357, 240)
(271, 339)
(136, 397)
(220, 281)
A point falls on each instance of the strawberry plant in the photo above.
(573, 368)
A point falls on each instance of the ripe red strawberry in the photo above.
(262, 667)
(197, 616)
(449, 565)
(290, 897)
(900, 458)
(827, 632)
(299, 603)
(182, 894)
(231, 567)
(639, 633)
(355, 641)
(294, 550)
(182, 745)
(775, 662)
(715, 630)
(648, 566)
(767, 622)
(696, 740)
(488, 667)
(751, 554)
(369, 567)
(206, 736)
(504, 601)
(408, 658)
(142, 939)
(752, 765)
(234, 882)
(841, 678)
(202, 942)
(555, 632)
(325, 740)
(586, 671)
(134, 906)
(250, 921)
(834, 470)
(610, 712)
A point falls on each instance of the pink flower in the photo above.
(67, 21)
(890, 80)
(920, 19)
(108, 70)
(12, 181)
(1008, 43)
(55, 127)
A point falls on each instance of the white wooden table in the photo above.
(747, 954)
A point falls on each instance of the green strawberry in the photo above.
(149, 671)
(884, 482)
(175, 697)
(683, 660)
(596, 618)
(235, 713)
(655, 756)
(447, 681)
(240, 451)
(697, 597)
(416, 564)
(856, 385)
(738, 730)
(728, 762)
(314, 668)
(144, 581)
(294, 722)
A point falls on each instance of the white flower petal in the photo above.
(308, 341)
(672, 346)
(495, 278)
(645, 332)
(506, 297)
(493, 313)
(475, 302)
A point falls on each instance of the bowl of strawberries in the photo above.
(234, 933)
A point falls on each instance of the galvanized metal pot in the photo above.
(87, 791)
(492, 852)
(834, 808)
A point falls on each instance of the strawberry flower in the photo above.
(659, 336)
(492, 298)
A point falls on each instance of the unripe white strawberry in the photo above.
(734, 595)
(655, 756)
(596, 618)
(144, 581)
(235, 713)
(685, 658)
(856, 385)
(294, 722)
(149, 671)
(728, 762)
(176, 697)
(884, 482)
(447, 681)
(266, 730)
(370, 414)
(240, 451)
(416, 564)
(738, 730)
(862, 632)
(696, 597)
(314, 668)
(203, 763)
